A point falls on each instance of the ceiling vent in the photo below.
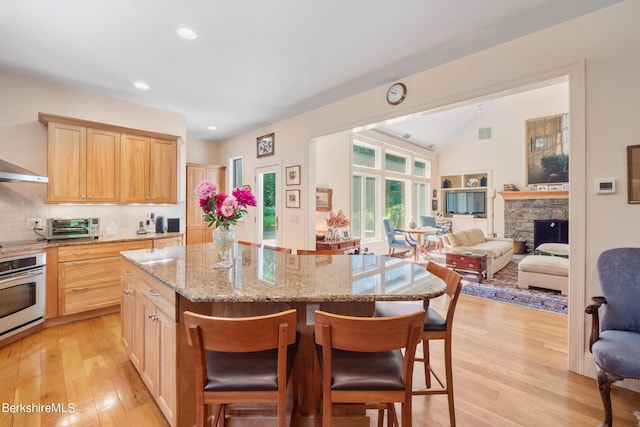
(484, 133)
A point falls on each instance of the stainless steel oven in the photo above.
(22, 292)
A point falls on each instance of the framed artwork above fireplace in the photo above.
(547, 148)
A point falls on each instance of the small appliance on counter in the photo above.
(141, 228)
(72, 228)
(173, 225)
(160, 224)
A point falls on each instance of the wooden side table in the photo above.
(335, 245)
(464, 261)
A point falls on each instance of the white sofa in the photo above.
(499, 250)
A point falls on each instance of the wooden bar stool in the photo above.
(361, 361)
(243, 360)
(435, 327)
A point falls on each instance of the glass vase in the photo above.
(224, 239)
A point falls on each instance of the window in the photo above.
(421, 168)
(235, 172)
(398, 189)
(395, 202)
(395, 163)
(421, 204)
(365, 200)
(364, 155)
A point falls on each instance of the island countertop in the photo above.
(262, 275)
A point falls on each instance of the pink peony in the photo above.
(206, 189)
(244, 196)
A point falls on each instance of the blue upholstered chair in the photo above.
(398, 239)
(615, 336)
(430, 221)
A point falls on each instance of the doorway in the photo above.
(269, 210)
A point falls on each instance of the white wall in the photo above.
(505, 153)
(605, 40)
(202, 151)
(23, 141)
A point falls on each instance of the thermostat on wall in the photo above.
(605, 185)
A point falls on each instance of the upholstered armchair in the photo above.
(398, 239)
(615, 335)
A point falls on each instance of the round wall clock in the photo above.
(396, 93)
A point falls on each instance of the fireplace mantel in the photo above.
(520, 195)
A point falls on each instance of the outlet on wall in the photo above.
(34, 223)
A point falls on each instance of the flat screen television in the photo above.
(466, 203)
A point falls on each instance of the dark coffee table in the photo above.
(468, 261)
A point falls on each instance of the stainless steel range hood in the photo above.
(12, 173)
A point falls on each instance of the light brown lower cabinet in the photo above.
(149, 335)
(88, 275)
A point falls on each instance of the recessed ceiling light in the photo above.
(187, 33)
(141, 85)
(212, 128)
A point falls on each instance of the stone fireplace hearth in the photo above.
(519, 215)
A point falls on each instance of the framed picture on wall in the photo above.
(633, 173)
(434, 205)
(547, 149)
(293, 198)
(293, 175)
(323, 199)
(265, 145)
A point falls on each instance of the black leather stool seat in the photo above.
(432, 320)
(366, 371)
(246, 371)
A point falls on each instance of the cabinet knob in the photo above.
(153, 317)
(89, 197)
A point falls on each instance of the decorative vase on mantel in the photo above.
(224, 239)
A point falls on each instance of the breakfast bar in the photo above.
(160, 284)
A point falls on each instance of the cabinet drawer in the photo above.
(99, 250)
(74, 274)
(85, 298)
(468, 262)
(157, 293)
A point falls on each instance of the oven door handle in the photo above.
(23, 275)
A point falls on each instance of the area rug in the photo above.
(503, 287)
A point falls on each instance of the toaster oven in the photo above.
(72, 228)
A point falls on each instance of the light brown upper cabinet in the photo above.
(149, 170)
(91, 162)
(83, 164)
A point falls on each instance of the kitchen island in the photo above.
(160, 284)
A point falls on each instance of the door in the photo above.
(268, 197)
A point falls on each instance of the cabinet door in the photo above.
(66, 161)
(166, 351)
(134, 169)
(163, 179)
(127, 303)
(138, 326)
(169, 241)
(103, 166)
(196, 229)
(151, 336)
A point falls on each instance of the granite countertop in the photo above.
(262, 275)
(39, 245)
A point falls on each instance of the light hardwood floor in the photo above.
(509, 370)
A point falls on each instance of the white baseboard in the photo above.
(590, 371)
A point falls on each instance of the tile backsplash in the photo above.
(20, 202)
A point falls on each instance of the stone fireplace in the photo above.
(520, 213)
